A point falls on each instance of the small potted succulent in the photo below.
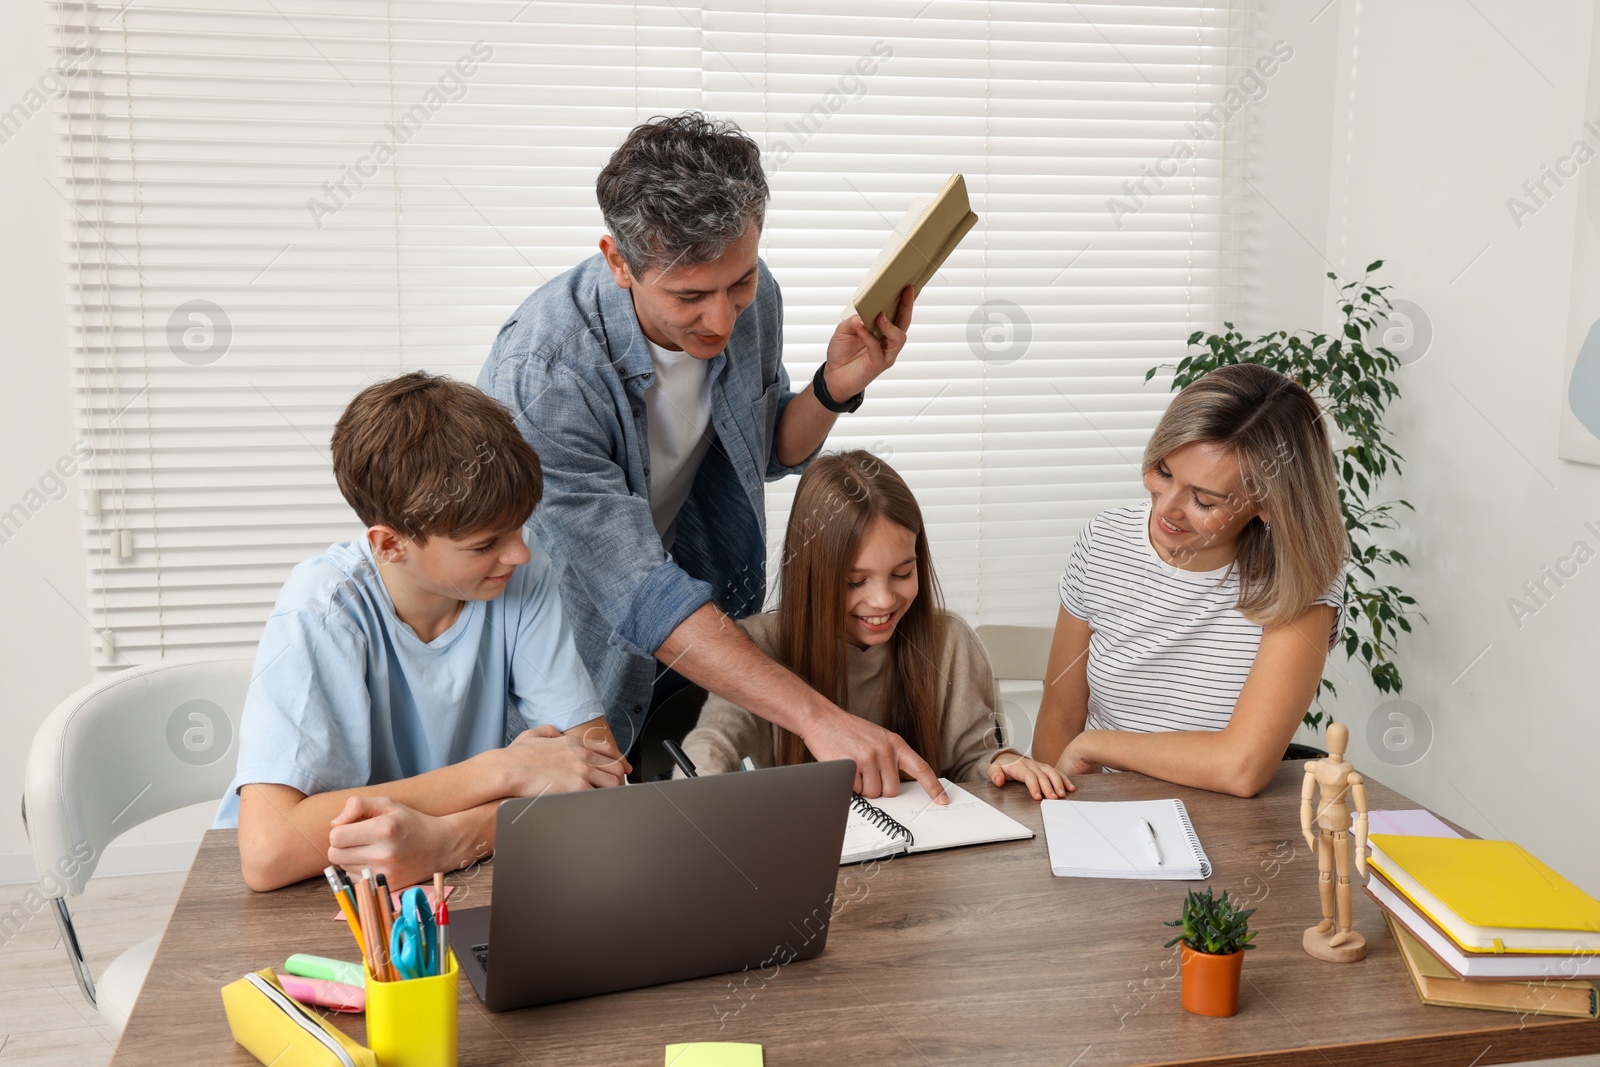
(1215, 934)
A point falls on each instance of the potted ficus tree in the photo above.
(1216, 933)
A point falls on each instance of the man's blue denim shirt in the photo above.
(572, 366)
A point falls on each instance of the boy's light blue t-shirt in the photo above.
(344, 694)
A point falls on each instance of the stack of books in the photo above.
(1484, 924)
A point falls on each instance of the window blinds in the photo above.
(274, 203)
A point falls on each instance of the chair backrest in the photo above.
(1020, 653)
(670, 721)
(122, 750)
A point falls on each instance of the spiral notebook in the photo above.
(1107, 839)
(911, 822)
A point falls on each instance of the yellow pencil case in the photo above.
(278, 1030)
(413, 1023)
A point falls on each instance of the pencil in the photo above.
(346, 907)
(386, 921)
(369, 925)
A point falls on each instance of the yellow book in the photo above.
(1489, 896)
(1436, 985)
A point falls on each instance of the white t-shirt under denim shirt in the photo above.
(1170, 649)
(678, 423)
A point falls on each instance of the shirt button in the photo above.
(647, 468)
(638, 709)
(636, 413)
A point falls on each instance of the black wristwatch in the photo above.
(820, 389)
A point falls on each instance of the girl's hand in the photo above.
(1044, 782)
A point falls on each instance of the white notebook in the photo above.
(1108, 839)
(911, 822)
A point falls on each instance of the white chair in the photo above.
(1017, 654)
(115, 754)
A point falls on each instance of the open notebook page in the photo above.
(966, 820)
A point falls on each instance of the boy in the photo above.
(394, 668)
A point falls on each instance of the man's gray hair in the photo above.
(679, 190)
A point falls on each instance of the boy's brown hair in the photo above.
(430, 456)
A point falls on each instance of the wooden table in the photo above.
(968, 956)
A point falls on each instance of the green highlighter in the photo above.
(328, 970)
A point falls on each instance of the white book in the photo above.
(1109, 839)
(912, 822)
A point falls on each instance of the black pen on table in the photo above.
(678, 757)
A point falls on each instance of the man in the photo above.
(650, 380)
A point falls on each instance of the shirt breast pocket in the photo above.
(764, 415)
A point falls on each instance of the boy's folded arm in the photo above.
(407, 846)
(283, 832)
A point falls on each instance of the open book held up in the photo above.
(920, 244)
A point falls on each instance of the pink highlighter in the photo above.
(336, 995)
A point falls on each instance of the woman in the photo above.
(1193, 629)
(859, 619)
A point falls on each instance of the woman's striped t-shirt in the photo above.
(1170, 650)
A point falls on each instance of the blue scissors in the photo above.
(414, 941)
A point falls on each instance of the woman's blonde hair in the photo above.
(838, 499)
(1275, 429)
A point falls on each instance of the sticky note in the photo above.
(714, 1054)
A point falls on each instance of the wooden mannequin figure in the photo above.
(1332, 939)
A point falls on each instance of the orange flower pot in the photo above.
(1210, 983)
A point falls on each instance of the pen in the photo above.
(346, 905)
(1150, 837)
(441, 920)
(679, 758)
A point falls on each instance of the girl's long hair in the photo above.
(1275, 429)
(839, 498)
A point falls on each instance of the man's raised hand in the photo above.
(856, 357)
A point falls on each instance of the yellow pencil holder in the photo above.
(413, 1023)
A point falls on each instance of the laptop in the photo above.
(614, 889)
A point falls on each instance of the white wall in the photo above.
(1441, 111)
(44, 638)
(44, 629)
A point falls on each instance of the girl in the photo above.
(1193, 629)
(859, 619)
